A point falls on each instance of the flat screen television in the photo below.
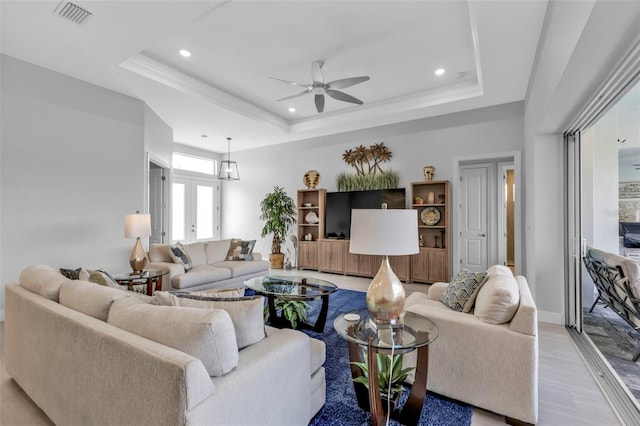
(630, 233)
(340, 204)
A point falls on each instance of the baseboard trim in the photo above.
(550, 317)
(623, 403)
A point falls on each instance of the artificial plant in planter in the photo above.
(390, 373)
(294, 311)
(279, 213)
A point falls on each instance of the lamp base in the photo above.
(385, 295)
(138, 258)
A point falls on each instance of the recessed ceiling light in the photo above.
(185, 53)
(439, 71)
(292, 109)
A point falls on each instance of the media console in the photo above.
(319, 253)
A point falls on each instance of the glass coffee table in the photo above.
(293, 288)
(413, 332)
(149, 277)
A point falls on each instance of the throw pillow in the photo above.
(90, 299)
(240, 249)
(195, 252)
(498, 299)
(101, 277)
(247, 313)
(159, 253)
(180, 256)
(462, 291)
(206, 334)
(72, 274)
(220, 293)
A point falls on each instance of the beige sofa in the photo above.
(211, 267)
(491, 366)
(63, 350)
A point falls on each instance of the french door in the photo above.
(195, 208)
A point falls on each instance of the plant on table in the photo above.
(279, 213)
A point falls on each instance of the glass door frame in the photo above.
(190, 224)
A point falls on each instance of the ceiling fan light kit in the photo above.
(319, 88)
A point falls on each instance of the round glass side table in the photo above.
(411, 332)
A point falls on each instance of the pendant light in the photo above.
(228, 168)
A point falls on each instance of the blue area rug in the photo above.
(341, 407)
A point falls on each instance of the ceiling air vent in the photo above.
(72, 12)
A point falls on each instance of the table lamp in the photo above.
(382, 232)
(136, 226)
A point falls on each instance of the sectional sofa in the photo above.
(210, 266)
(79, 351)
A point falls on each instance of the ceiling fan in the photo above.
(320, 88)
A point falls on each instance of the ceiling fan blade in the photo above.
(346, 82)
(289, 82)
(293, 96)
(316, 72)
(341, 96)
(320, 103)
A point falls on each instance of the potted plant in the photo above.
(390, 373)
(279, 213)
(293, 311)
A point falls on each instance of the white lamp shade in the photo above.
(137, 225)
(384, 232)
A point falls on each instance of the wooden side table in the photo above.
(416, 333)
(149, 277)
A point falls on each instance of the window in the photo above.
(191, 163)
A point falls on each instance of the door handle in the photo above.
(482, 235)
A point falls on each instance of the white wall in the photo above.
(158, 138)
(72, 166)
(574, 57)
(414, 145)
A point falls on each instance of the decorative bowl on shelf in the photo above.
(307, 204)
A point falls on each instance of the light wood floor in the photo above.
(568, 395)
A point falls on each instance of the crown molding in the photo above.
(170, 77)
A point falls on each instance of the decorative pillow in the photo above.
(90, 299)
(216, 250)
(462, 291)
(98, 276)
(180, 256)
(43, 280)
(206, 334)
(72, 274)
(196, 254)
(498, 299)
(219, 293)
(241, 250)
(159, 253)
(247, 313)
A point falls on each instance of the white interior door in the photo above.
(195, 209)
(474, 217)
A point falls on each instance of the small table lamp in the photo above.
(136, 226)
(383, 232)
